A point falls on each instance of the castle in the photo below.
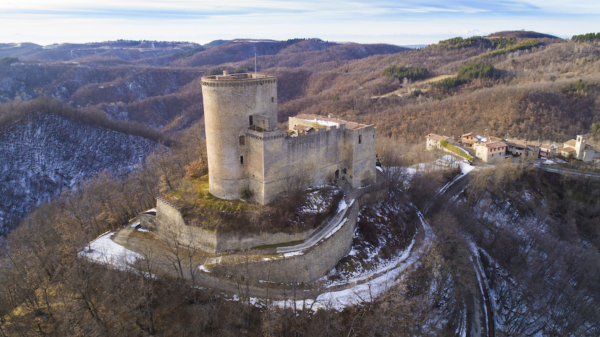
(249, 155)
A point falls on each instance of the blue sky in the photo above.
(377, 21)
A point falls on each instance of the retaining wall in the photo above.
(170, 225)
(316, 261)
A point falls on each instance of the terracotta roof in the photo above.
(513, 144)
(494, 144)
(469, 141)
(571, 142)
(470, 134)
(437, 137)
(567, 149)
(492, 139)
(349, 125)
(523, 142)
(301, 127)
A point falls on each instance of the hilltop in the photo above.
(521, 34)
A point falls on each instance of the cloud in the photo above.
(398, 22)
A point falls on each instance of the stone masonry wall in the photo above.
(170, 225)
(315, 262)
(228, 107)
(279, 164)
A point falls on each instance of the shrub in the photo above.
(475, 70)
(459, 42)
(216, 71)
(523, 45)
(447, 83)
(412, 73)
(8, 60)
(416, 93)
(589, 37)
(244, 69)
(445, 144)
(466, 73)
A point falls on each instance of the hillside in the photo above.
(521, 34)
(291, 53)
(126, 50)
(531, 95)
(44, 154)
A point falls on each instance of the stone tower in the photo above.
(580, 146)
(232, 104)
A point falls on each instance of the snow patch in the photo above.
(103, 250)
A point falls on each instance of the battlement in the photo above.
(239, 79)
(319, 122)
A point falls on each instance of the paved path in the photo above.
(320, 234)
(567, 172)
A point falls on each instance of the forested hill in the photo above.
(43, 153)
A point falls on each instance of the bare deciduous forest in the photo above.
(533, 236)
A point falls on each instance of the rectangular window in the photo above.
(272, 99)
(359, 139)
(250, 120)
(242, 160)
(242, 140)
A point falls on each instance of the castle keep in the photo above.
(247, 152)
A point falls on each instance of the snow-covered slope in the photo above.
(41, 154)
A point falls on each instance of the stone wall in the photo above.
(317, 261)
(229, 104)
(170, 225)
(312, 265)
(278, 165)
(147, 220)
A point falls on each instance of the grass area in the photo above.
(402, 91)
(298, 211)
(283, 244)
(196, 192)
(433, 79)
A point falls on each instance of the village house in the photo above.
(546, 150)
(518, 147)
(491, 152)
(469, 139)
(579, 149)
(433, 141)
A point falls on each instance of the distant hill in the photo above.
(18, 49)
(290, 53)
(214, 43)
(521, 34)
(126, 50)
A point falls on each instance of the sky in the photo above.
(398, 22)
